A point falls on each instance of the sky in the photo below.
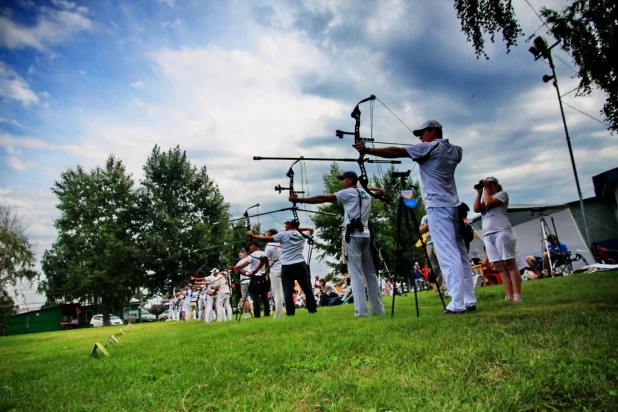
(226, 81)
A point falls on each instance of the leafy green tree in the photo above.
(96, 256)
(17, 258)
(179, 206)
(586, 30)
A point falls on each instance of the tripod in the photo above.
(404, 210)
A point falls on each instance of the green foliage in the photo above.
(554, 351)
(179, 205)
(16, 258)
(96, 256)
(16, 255)
(488, 16)
(587, 30)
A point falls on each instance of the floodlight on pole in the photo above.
(541, 50)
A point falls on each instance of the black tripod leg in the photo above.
(409, 237)
(397, 234)
(424, 245)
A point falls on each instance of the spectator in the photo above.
(500, 243)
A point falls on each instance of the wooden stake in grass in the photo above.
(98, 347)
(112, 340)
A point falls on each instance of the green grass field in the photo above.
(556, 350)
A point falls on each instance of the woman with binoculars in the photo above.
(500, 243)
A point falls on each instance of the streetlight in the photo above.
(541, 50)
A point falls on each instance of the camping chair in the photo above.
(563, 265)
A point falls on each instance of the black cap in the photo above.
(349, 174)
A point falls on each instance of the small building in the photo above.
(60, 317)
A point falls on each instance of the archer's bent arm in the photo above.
(260, 238)
(314, 200)
(306, 229)
(390, 152)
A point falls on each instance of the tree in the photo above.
(96, 256)
(586, 30)
(179, 206)
(17, 258)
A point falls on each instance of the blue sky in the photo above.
(230, 80)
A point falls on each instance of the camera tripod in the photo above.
(404, 210)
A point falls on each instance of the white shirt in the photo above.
(254, 261)
(496, 219)
(242, 271)
(292, 245)
(437, 172)
(354, 207)
(425, 221)
(273, 253)
(221, 281)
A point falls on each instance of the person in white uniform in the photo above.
(357, 207)
(273, 253)
(222, 288)
(256, 273)
(500, 244)
(293, 266)
(438, 159)
(244, 280)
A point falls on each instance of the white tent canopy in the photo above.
(526, 221)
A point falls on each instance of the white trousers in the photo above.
(209, 313)
(362, 272)
(277, 288)
(200, 308)
(452, 256)
(224, 309)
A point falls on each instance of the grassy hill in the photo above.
(556, 350)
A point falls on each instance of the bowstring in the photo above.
(400, 121)
(303, 171)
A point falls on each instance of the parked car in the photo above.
(131, 316)
(164, 316)
(97, 321)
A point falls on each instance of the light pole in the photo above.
(541, 50)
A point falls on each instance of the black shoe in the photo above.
(471, 308)
(450, 312)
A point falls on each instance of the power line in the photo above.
(586, 114)
(570, 91)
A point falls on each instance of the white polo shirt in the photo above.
(356, 202)
(273, 253)
(437, 172)
(292, 245)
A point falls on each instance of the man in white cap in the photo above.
(357, 207)
(438, 160)
(243, 303)
(222, 289)
(293, 266)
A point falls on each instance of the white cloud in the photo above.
(30, 69)
(52, 27)
(170, 3)
(13, 122)
(176, 24)
(82, 71)
(14, 87)
(137, 84)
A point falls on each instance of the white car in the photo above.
(97, 321)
